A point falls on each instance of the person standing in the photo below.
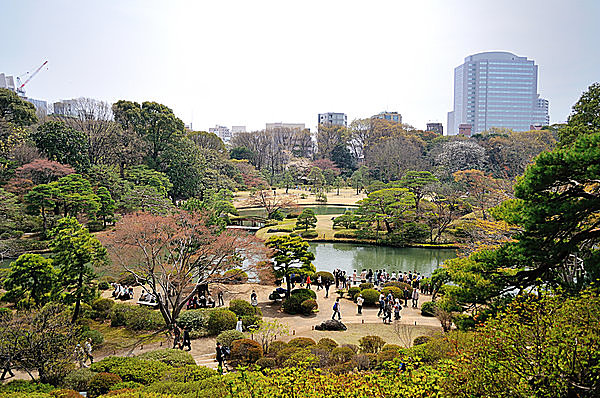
(336, 309)
(220, 298)
(6, 364)
(220, 357)
(176, 335)
(406, 296)
(381, 304)
(88, 350)
(254, 299)
(387, 312)
(319, 282)
(359, 302)
(327, 285)
(397, 308)
(80, 356)
(415, 298)
(239, 325)
(187, 342)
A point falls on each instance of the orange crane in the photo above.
(21, 86)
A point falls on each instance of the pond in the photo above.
(351, 256)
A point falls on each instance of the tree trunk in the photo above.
(289, 285)
(78, 298)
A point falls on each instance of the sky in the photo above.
(252, 62)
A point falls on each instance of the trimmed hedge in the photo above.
(101, 308)
(400, 285)
(229, 336)
(196, 320)
(293, 304)
(132, 369)
(174, 358)
(325, 276)
(245, 351)
(236, 276)
(353, 292)
(421, 340)
(310, 234)
(220, 320)
(327, 344)
(101, 383)
(301, 342)
(79, 379)
(366, 285)
(242, 308)
(309, 306)
(135, 318)
(340, 355)
(396, 292)
(371, 344)
(96, 336)
(371, 297)
(428, 308)
(189, 373)
(276, 346)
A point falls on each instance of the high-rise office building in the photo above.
(333, 119)
(497, 89)
(391, 116)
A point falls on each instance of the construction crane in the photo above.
(21, 86)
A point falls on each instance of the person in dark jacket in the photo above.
(186, 342)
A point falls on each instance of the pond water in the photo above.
(351, 256)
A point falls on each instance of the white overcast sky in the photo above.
(251, 62)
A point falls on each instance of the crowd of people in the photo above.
(122, 292)
(377, 278)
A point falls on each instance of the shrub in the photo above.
(229, 336)
(180, 389)
(428, 308)
(142, 318)
(119, 314)
(366, 285)
(310, 234)
(65, 393)
(386, 355)
(309, 306)
(189, 373)
(127, 279)
(464, 322)
(396, 292)
(101, 383)
(132, 369)
(306, 293)
(353, 347)
(25, 386)
(174, 358)
(293, 304)
(242, 308)
(131, 385)
(103, 285)
(371, 344)
(341, 354)
(96, 336)
(327, 343)
(236, 276)
(345, 234)
(399, 285)
(342, 368)
(301, 358)
(364, 361)
(196, 320)
(393, 347)
(421, 340)
(301, 342)
(245, 351)
(78, 379)
(371, 297)
(220, 320)
(284, 354)
(325, 276)
(251, 320)
(266, 363)
(353, 292)
(276, 346)
(101, 308)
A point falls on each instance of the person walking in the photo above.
(359, 302)
(88, 350)
(187, 342)
(220, 299)
(397, 308)
(239, 325)
(308, 282)
(254, 299)
(381, 304)
(319, 283)
(80, 356)
(176, 335)
(327, 285)
(220, 357)
(6, 364)
(336, 309)
(415, 298)
(387, 312)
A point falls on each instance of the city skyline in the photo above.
(247, 64)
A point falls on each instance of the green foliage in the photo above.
(365, 285)
(347, 220)
(236, 276)
(251, 320)
(309, 306)
(16, 110)
(371, 344)
(242, 307)
(189, 373)
(135, 318)
(428, 308)
(101, 307)
(291, 255)
(103, 285)
(65, 393)
(79, 379)
(386, 355)
(276, 346)
(245, 351)
(220, 320)
(325, 277)
(101, 383)
(396, 292)
(63, 144)
(172, 357)
(310, 234)
(196, 320)
(585, 118)
(341, 355)
(421, 340)
(327, 344)
(32, 278)
(306, 219)
(354, 291)
(229, 336)
(464, 322)
(25, 386)
(293, 304)
(266, 363)
(301, 342)
(132, 369)
(371, 297)
(96, 336)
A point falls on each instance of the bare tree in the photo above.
(270, 201)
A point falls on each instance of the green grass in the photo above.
(120, 338)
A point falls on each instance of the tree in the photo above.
(457, 155)
(585, 117)
(74, 194)
(391, 157)
(418, 183)
(15, 110)
(316, 179)
(143, 175)
(359, 178)
(291, 256)
(63, 144)
(271, 202)
(76, 253)
(268, 331)
(144, 198)
(444, 208)
(42, 171)
(107, 205)
(343, 159)
(479, 187)
(328, 137)
(386, 205)
(32, 278)
(173, 253)
(41, 340)
(307, 219)
(205, 140)
(40, 200)
(241, 153)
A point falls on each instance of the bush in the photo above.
(119, 314)
(393, 347)
(310, 234)
(302, 358)
(464, 322)
(293, 304)
(371, 297)
(251, 320)
(101, 383)
(301, 342)
(327, 344)
(25, 386)
(189, 373)
(366, 285)
(399, 285)
(345, 234)
(132, 369)
(353, 292)
(306, 293)
(236, 276)
(174, 358)
(276, 346)
(79, 379)
(245, 351)
(325, 276)
(127, 279)
(421, 340)
(229, 336)
(371, 344)
(101, 308)
(242, 308)
(220, 320)
(103, 285)
(428, 308)
(142, 318)
(396, 292)
(309, 306)
(65, 393)
(196, 320)
(342, 368)
(96, 336)
(131, 385)
(341, 354)
(386, 355)
(266, 363)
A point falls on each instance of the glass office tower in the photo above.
(497, 89)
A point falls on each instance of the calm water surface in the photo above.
(350, 256)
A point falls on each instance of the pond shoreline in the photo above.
(372, 243)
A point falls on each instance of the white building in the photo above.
(333, 119)
(222, 132)
(288, 126)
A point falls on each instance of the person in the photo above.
(415, 298)
(354, 278)
(387, 312)
(6, 364)
(336, 309)
(319, 282)
(359, 302)
(210, 302)
(406, 296)
(254, 299)
(220, 298)
(176, 335)
(308, 282)
(88, 350)
(80, 356)
(220, 357)
(327, 285)
(238, 325)
(381, 304)
(202, 301)
(397, 308)
(187, 342)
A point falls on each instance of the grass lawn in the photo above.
(120, 338)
